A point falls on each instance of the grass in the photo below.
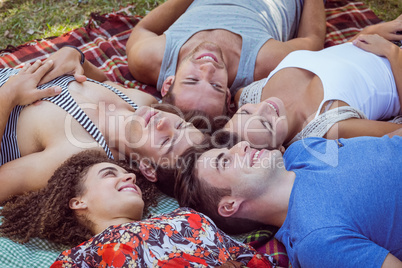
(22, 21)
(25, 20)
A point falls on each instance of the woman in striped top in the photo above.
(77, 116)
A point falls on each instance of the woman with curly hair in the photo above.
(95, 201)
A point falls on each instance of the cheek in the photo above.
(258, 139)
(281, 128)
(254, 130)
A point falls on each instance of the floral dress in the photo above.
(183, 238)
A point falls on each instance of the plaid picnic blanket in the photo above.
(103, 42)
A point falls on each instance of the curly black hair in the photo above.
(46, 213)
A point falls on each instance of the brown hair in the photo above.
(201, 120)
(192, 191)
(166, 174)
(46, 213)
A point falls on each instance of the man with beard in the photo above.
(337, 202)
(209, 49)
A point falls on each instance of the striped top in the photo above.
(9, 144)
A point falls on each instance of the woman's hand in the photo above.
(376, 44)
(389, 30)
(21, 89)
(65, 61)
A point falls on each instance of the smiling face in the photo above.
(244, 170)
(201, 81)
(263, 125)
(160, 137)
(110, 193)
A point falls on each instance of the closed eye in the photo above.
(190, 81)
(165, 142)
(267, 125)
(184, 124)
(243, 111)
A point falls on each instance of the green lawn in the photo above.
(22, 21)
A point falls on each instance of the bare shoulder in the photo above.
(139, 97)
(145, 59)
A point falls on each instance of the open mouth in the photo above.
(128, 188)
(274, 106)
(256, 156)
(208, 56)
(149, 115)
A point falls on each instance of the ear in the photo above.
(230, 108)
(167, 84)
(77, 203)
(228, 206)
(228, 97)
(148, 171)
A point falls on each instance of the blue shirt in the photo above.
(345, 208)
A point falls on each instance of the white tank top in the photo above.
(350, 74)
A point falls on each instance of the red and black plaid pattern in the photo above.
(103, 41)
(345, 19)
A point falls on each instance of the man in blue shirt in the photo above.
(338, 203)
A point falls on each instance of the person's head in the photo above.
(158, 138)
(263, 125)
(86, 194)
(221, 182)
(200, 82)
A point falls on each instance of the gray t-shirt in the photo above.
(255, 21)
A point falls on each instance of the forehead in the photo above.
(206, 169)
(96, 169)
(207, 162)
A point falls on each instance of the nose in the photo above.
(130, 177)
(261, 107)
(163, 124)
(240, 148)
(207, 69)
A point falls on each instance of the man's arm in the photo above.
(311, 36)
(384, 48)
(146, 45)
(397, 132)
(312, 29)
(21, 89)
(391, 262)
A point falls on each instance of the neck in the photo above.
(102, 224)
(276, 202)
(119, 136)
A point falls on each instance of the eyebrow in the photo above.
(107, 168)
(218, 158)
